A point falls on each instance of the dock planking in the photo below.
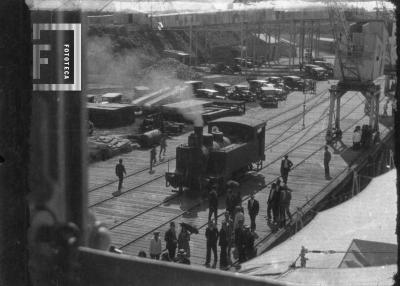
(306, 180)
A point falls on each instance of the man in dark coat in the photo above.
(327, 159)
(153, 159)
(248, 243)
(284, 204)
(253, 208)
(163, 146)
(230, 202)
(277, 207)
(286, 166)
(237, 199)
(271, 202)
(223, 244)
(120, 172)
(213, 204)
(212, 239)
(171, 240)
(229, 234)
(239, 243)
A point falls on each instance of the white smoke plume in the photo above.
(133, 67)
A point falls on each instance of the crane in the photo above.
(388, 18)
(347, 51)
(351, 59)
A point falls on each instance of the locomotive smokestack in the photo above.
(198, 131)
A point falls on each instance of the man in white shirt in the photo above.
(357, 138)
(155, 246)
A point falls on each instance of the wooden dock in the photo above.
(147, 205)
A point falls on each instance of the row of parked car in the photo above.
(268, 91)
(318, 70)
(236, 66)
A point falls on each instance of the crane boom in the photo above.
(347, 52)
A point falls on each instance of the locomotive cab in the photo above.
(233, 145)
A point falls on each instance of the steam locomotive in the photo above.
(232, 146)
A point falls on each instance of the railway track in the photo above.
(316, 96)
(319, 100)
(180, 214)
(275, 142)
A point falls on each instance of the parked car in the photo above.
(256, 84)
(207, 93)
(268, 101)
(293, 82)
(316, 72)
(274, 79)
(271, 90)
(224, 89)
(236, 68)
(308, 68)
(319, 73)
(221, 68)
(243, 62)
(242, 92)
(327, 66)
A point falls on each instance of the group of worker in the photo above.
(233, 233)
(279, 204)
(364, 137)
(153, 152)
(172, 243)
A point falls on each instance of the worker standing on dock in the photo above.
(237, 201)
(120, 172)
(327, 159)
(253, 208)
(155, 246)
(229, 234)
(170, 240)
(230, 203)
(239, 242)
(239, 218)
(212, 239)
(153, 159)
(285, 198)
(286, 166)
(213, 204)
(248, 243)
(357, 138)
(223, 244)
(271, 202)
(183, 240)
(163, 146)
(277, 198)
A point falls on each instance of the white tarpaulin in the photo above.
(371, 216)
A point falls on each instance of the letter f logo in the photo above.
(37, 60)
